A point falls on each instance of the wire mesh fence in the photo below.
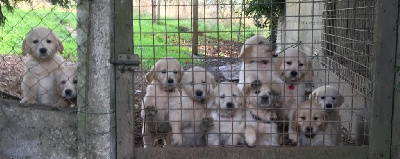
(239, 73)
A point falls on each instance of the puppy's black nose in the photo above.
(68, 92)
(199, 92)
(309, 129)
(328, 105)
(229, 105)
(43, 50)
(293, 73)
(264, 98)
(170, 80)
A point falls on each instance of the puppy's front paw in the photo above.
(159, 141)
(27, 101)
(176, 140)
(250, 137)
(208, 123)
(150, 111)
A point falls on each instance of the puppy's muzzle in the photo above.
(329, 106)
(170, 81)
(68, 92)
(230, 105)
(309, 132)
(264, 99)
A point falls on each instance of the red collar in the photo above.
(291, 86)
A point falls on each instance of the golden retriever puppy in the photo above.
(330, 99)
(67, 79)
(228, 114)
(309, 123)
(294, 69)
(162, 93)
(257, 64)
(261, 101)
(191, 120)
(38, 84)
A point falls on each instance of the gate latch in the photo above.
(126, 62)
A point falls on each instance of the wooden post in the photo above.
(396, 109)
(385, 42)
(195, 34)
(124, 90)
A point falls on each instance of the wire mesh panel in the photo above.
(40, 45)
(294, 70)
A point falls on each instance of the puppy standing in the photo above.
(309, 123)
(67, 79)
(256, 55)
(191, 120)
(261, 101)
(39, 84)
(294, 69)
(161, 94)
(228, 115)
(330, 100)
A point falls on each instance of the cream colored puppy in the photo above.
(191, 120)
(330, 99)
(294, 69)
(257, 64)
(228, 114)
(309, 123)
(161, 94)
(67, 80)
(38, 84)
(261, 101)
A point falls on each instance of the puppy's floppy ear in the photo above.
(340, 100)
(293, 123)
(313, 96)
(212, 80)
(25, 48)
(310, 73)
(150, 75)
(245, 53)
(180, 75)
(278, 62)
(60, 46)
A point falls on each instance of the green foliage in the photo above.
(9, 7)
(265, 12)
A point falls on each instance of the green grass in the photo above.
(21, 21)
(151, 40)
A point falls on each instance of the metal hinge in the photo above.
(126, 62)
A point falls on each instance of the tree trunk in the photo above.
(158, 11)
(195, 34)
(153, 10)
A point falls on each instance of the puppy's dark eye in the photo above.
(252, 61)
(63, 82)
(222, 96)
(261, 42)
(35, 41)
(234, 95)
(315, 118)
(300, 64)
(334, 98)
(175, 72)
(163, 71)
(303, 118)
(48, 41)
(75, 81)
(257, 92)
(323, 97)
(203, 82)
(264, 62)
(289, 62)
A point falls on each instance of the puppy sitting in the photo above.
(261, 101)
(330, 100)
(191, 120)
(66, 80)
(228, 115)
(38, 84)
(309, 123)
(161, 94)
(257, 64)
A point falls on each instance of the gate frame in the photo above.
(384, 134)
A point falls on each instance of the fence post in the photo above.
(385, 42)
(94, 116)
(396, 109)
(124, 90)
